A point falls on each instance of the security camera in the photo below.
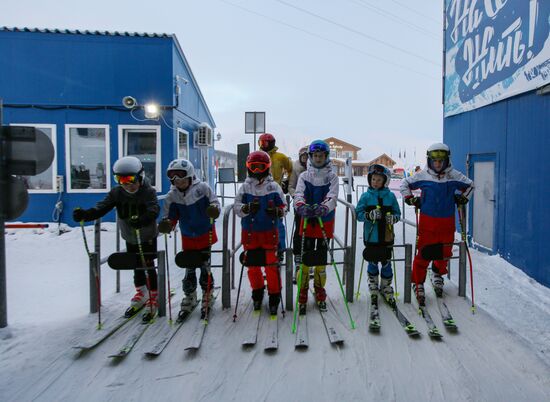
(129, 102)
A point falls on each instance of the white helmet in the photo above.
(438, 151)
(127, 166)
(182, 165)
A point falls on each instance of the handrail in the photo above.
(349, 251)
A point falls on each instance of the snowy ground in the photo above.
(502, 353)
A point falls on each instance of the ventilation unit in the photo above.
(203, 136)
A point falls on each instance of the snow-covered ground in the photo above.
(502, 353)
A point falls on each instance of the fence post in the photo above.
(407, 276)
(348, 273)
(161, 269)
(288, 281)
(462, 269)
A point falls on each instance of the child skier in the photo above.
(315, 197)
(379, 209)
(260, 204)
(442, 187)
(137, 207)
(194, 204)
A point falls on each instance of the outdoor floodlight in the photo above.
(152, 111)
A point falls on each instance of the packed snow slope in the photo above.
(500, 353)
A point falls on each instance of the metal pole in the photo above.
(161, 258)
(288, 280)
(233, 251)
(408, 270)
(3, 204)
(462, 269)
(403, 213)
(94, 262)
(117, 249)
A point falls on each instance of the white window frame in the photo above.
(52, 127)
(68, 159)
(182, 131)
(123, 152)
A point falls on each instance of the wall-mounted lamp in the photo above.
(152, 111)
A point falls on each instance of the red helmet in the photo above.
(258, 164)
(266, 141)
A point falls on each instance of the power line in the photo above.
(416, 12)
(358, 32)
(400, 66)
(396, 18)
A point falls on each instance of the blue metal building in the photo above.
(71, 85)
(497, 123)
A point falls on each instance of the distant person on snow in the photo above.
(194, 205)
(260, 203)
(281, 165)
(315, 197)
(442, 187)
(379, 209)
(137, 208)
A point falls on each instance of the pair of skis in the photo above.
(252, 327)
(302, 336)
(374, 317)
(446, 317)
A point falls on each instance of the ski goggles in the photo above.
(264, 143)
(378, 169)
(438, 154)
(126, 179)
(176, 175)
(257, 167)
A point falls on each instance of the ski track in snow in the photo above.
(500, 353)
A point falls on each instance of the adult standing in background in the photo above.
(280, 164)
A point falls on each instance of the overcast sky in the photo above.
(365, 71)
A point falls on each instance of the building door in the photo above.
(483, 214)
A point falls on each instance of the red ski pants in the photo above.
(268, 241)
(431, 231)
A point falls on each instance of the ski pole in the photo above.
(96, 276)
(352, 323)
(168, 281)
(271, 204)
(462, 219)
(238, 293)
(299, 279)
(209, 272)
(144, 263)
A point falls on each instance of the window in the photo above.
(45, 181)
(87, 160)
(183, 144)
(347, 154)
(143, 143)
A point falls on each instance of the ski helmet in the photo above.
(302, 152)
(266, 142)
(380, 170)
(181, 168)
(438, 151)
(258, 164)
(319, 146)
(128, 169)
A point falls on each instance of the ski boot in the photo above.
(151, 307)
(373, 282)
(187, 305)
(386, 290)
(138, 301)
(418, 289)
(320, 298)
(437, 282)
(274, 301)
(257, 298)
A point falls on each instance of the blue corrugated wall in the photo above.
(517, 131)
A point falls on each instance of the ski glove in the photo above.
(413, 201)
(134, 222)
(461, 199)
(320, 210)
(251, 208)
(80, 214)
(305, 210)
(212, 211)
(275, 212)
(375, 214)
(391, 219)
(165, 226)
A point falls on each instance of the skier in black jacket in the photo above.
(137, 208)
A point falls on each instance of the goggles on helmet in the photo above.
(174, 175)
(126, 179)
(257, 167)
(377, 169)
(264, 143)
(438, 154)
